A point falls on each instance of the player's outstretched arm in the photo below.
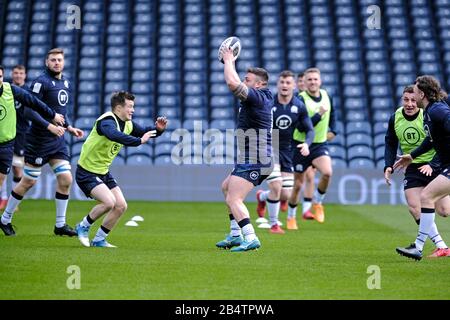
(31, 101)
(238, 88)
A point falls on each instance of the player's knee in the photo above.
(225, 187)
(232, 200)
(326, 174)
(121, 206)
(443, 211)
(65, 181)
(109, 204)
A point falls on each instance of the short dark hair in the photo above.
(286, 73)
(55, 51)
(409, 89)
(2, 68)
(119, 97)
(300, 75)
(261, 73)
(431, 88)
(19, 66)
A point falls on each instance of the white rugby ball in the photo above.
(232, 42)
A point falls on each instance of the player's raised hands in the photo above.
(56, 130)
(403, 161)
(227, 55)
(304, 149)
(58, 119)
(148, 135)
(161, 123)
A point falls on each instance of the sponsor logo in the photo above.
(3, 112)
(63, 97)
(254, 175)
(411, 135)
(283, 122)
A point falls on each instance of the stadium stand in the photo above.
(166, 53)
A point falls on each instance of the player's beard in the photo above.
(419, 104)
(53, 73)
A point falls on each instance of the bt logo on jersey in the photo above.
(63, 97)
(283, 122)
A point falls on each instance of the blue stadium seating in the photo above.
(175, 72)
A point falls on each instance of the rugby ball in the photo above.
(232, 42)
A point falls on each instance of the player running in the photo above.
(320, 108)
(436, 119)
(8, 94)
(111, 131)
(288, 112)
(406, 128)
(46, 143)
(18, 77)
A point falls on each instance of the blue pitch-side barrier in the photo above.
(203, 182)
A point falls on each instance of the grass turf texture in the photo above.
(172, 255)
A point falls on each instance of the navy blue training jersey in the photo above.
(285, 117)
(57, 94)
(256, 113)
(436, 120)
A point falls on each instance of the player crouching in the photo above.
(110, 133)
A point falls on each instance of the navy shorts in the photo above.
(39, 155)
(286, 161)
(446, 171)
(301, 163)
(6, 156)
(416, 179)
(255, 175)
(19, 144)
(87, 180)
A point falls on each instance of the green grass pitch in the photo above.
(172, 255)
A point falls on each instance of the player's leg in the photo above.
(443, 207)
(323, 164)
(434, 191)
(308, 193)
(293, 200)
(61, 169)
(31, 175)
(99, 188)
(17, 166)
(263, 195)
(234, 238)
(111, 219)
(6, 152)
(412, 196)
(3, 194)
(238, 189)
(273, 205)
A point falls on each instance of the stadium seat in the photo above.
(361, 164)
(358, 139)
(338, 163)
(139, 160)
(359, 152)
(358, 126)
